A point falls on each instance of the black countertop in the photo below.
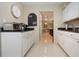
(68, 30)
(27, 29)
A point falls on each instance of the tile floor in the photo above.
(46, 48)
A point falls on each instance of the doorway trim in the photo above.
(41, 19)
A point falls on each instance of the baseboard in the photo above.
(28, 50)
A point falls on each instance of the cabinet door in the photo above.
(71, 11)
(60, 38)
(31, 38)
(11, 44)
(68, 46)
(76, 42)
(26, 42)
(71, 46)
(66, 14)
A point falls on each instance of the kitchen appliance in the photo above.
(14, 26)
(19, 26)
(8, 26)
(76, 29)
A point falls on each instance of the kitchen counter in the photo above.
(27, 29)
(69, 30)
(69, 41)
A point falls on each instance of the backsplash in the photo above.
(74, 22)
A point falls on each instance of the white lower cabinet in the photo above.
(16, 44)
(71, 46)
(60, 38)
(70, 43)
(11, 44)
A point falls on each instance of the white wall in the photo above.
(5, 12)
(58, 21)
(57, 16)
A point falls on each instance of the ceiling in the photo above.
(42, 3)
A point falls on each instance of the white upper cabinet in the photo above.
(71, 11)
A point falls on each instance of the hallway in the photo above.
(46, 48)
(46, 38)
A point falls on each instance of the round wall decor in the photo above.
(16, 11)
